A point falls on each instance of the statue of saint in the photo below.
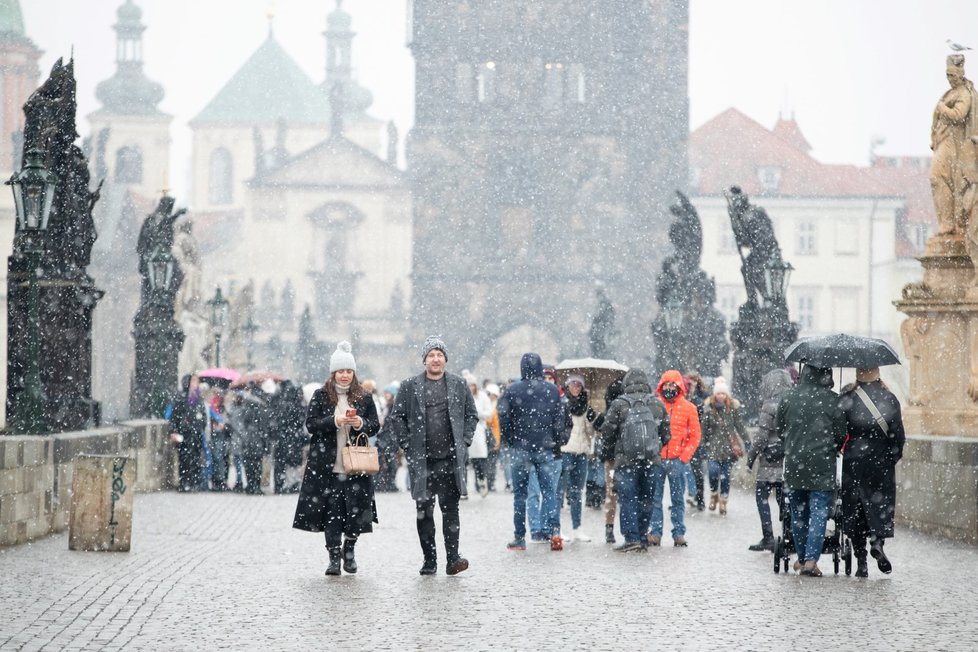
(954, 170)
(753, 230)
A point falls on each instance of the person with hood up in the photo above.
(768, 453)
(635, 428)
(330, 501)
(532, 420)
(875, 445)
(721, 424)
(813, 430)
(684, 426)
(615, 389)
(433, 421)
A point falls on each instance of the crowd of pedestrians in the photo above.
(556, 445)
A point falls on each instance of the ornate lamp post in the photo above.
(160, 273)
(33, 189)
(219, 318)
(674, 312)
(776, 275)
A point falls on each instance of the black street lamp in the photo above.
(33, 189)
(219, 319)
(673, 312)
(160, 271)
(776, 274)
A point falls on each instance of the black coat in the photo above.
(869, 461)
(188, 420)
(408, 428)
(319, 478)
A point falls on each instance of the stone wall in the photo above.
(36, 472)
(937, 486)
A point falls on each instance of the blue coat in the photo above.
(531, 414)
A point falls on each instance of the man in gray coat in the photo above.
(433, 420)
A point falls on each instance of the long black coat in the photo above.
(869, 461)
(407, 428)
(319, 479)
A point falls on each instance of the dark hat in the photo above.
(431, 343)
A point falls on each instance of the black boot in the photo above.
(862, 568)
(334, 562)
(766, 544)
(349, 562)
(876, 550)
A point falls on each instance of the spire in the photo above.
(128, 91)
(339, 67)
(11, 18)
(270, 14)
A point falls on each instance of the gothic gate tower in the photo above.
(549, 137)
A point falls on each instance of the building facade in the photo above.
(849, 232)
(548, 140)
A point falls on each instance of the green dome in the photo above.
(11, 19)
(129, 13)
(338, 20)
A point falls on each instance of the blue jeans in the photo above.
(574, 473)
(533, 497)
(595, 471)
(635, 484)
(548, 472)
(809, 516)
(720, 473)
(675, 471)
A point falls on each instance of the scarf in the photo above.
(342, 432)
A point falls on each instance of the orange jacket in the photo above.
(683, 420)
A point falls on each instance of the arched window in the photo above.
(219, 189)
(129, 165)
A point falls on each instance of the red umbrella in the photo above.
(257, 377)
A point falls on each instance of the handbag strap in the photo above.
(868, 402)
(355, 441)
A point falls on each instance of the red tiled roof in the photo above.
(729, 149)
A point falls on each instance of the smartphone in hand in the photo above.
(351, 414)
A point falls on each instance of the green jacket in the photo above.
(813, 429)
(718, 426)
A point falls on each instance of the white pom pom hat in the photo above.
(342, 358)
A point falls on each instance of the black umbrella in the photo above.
(842, 350)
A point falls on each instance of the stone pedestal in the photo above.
(940, 339)
(102, 490)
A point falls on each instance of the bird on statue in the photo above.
(957, 47)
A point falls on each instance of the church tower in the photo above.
(130, 135)
(548, 140)
(19, 76)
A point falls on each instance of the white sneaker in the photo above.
(577, 535)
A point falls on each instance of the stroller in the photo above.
(836, 543)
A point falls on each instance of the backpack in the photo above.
(639, 440)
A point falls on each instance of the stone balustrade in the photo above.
(36, 472)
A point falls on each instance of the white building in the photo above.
(849, 232)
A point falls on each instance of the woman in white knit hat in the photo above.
(724, 441)
(330, 501)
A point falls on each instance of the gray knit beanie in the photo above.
(433, 342)
(342, 358)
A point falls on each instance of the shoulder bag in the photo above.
(359, 457)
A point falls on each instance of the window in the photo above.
(770, 178)
(727, 302)
(807, 238)
(805, 309)
(221, 179)
(921, 232)
(846, 237)
(485, 82)
(464, 86)
(553, 86)
(576, 76)
(129, 165)
(728, 243)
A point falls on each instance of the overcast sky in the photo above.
(848, 70)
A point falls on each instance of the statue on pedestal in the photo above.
(953, 138)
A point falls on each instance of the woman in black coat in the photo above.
(188, 420)
(868, 467)
(340, 505)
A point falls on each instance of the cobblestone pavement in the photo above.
(226, 571)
